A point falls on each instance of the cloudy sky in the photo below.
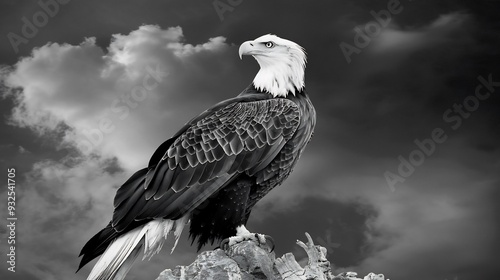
(401, 178)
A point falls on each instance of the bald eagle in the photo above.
(215, 168)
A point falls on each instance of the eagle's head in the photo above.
(282, 63)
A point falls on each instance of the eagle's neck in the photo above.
(280, 78)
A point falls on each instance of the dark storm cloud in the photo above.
(339, 226)
(439, 224)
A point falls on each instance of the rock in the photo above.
(248, 260)
(208, 265)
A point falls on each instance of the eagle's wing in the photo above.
(239, 137)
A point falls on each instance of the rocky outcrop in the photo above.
(248, 260)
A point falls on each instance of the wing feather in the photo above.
(213, 149)
(128, 188)
(163, 175)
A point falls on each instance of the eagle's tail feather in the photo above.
(97, 245)
(122, 252)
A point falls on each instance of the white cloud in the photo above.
(127, 100)
(111, 103)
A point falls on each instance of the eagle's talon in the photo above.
(224, 244)
(260, 239)
(270, 242)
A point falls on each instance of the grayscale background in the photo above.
(78, 119)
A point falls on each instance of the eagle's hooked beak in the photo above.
(247, 48)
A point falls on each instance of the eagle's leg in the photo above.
(242, 234)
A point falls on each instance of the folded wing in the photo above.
(238, 137)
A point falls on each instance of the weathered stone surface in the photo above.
(208, 265)
(248, 260)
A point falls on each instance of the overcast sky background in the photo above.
(77, 70)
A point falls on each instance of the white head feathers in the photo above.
(282, 63)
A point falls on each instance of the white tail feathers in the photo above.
(122, 252)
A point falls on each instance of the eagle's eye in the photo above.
(269, 44)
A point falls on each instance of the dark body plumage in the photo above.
(215, 168)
